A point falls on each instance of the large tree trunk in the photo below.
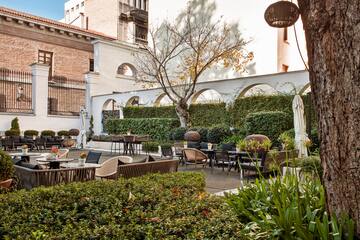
(183, 113)
(332, 29)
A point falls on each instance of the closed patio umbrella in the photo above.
(83, 128)
(299, 126)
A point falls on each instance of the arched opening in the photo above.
(206, 96)
(133, 102)
(258, 89)
(305, 90)
(127, 69)
(110, 110)
(163, 100)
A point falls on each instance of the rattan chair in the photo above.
(194, 156)
(108, 169)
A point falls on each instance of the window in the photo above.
(285, 34)
(45, 57)
(285, 68)
(91, 65)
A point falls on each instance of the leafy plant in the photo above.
(91, 129)
(63, 133)
(287, 141)
(218, 133)
(178, 134)
(30, 133)
(7, 169)
(150, 146)
(12, 133)
(15, 124)
(48, 133)
(233, 139)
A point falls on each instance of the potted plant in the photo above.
(82, 159)
(54, 152)
(24, 149)
(7, 170)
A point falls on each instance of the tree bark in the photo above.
(332, 29)
(183, 113)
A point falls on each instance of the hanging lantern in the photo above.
(282, 14)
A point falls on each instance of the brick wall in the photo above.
(18, 53)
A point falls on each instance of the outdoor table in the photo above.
(211, 154)
(76, 165)
(25, 157)
(55, 163)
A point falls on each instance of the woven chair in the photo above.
(125, 160)
(108, 169)
(194, 156)
(166, 152)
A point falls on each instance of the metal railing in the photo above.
(15, 91)
(66, 96)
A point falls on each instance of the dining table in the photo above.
(55, 163)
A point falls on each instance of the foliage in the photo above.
(287, 209)
(30, 133)
(311, 164)
(15, 124)
(48, 133)
(157, 128)
(91, 129)
(150, 147)
(74, 132)
(12, 133)
(202, 131)
(177, 134)
(254, 146)
(271, 124)
(7, 169)
(208, 115)
(169, 206)
(314, 137)
(233, 139)
(150, 112)
(218, 133)
(63, 133)
(287, 141)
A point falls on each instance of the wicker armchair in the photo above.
(108, 169)
(194, 156)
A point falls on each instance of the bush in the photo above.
(208, 115)
(150, 147)
(178, 134)
(7, 169)
(63, 133)
(233, 139)
(311, 164)
(218, 133)
(287, 209)
(315, 140)
(202, 131)
(74, 132)
(12, 133)
(271, 124)
(48, 133)
(157, 128)
(30, 133)
(169, 206)
(150, 112)
(15, 124)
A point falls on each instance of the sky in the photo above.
(53, 9)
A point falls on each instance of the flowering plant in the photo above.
(54, 150)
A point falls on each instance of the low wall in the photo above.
(39, 123)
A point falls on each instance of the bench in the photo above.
(140, 169)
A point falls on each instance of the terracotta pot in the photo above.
(192, 136)
(68, 143)
(6, 184)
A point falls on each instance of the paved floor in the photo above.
(217, 180)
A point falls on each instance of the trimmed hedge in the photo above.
(152, 147)
(168, 206)
(48, 133)
(157, 128)
(218, 133)
(271, 124)
(150, 112)
(30, 133)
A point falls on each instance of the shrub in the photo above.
(315, 140)
(202, 131)
(169, 206)
(271, 124)
(15, 124)
(287, 209)
(178, 134)
(150, 112)
(218, 133)
(208, 115)
(311, 164)
(63, 133)
(150, 147)
(232, 139)
(157, 128)
(12, 133)
(287, 141)
(74, 132)
(7, 169)
(48, 133)
(30, 133)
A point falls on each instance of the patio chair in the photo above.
(125, 160)
(93, 157)
(166, 152)
(223, 159)
(194, 156)
(254, 162)
(108, 169)
(178, 149)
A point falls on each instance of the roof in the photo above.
(54, 23)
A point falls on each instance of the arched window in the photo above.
(258, 89)
(127, 69)
(206, 96)
(133, 102)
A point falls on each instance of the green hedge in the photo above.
(271, 124)
(169, 206)
(157, 128)
(208, 115)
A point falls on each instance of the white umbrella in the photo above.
(299, 126)
(83, 127)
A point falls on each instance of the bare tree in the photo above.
(180, 52)
(332, 29)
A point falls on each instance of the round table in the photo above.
(25, 156)
(55, 163)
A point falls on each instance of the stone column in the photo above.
(40, 79)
